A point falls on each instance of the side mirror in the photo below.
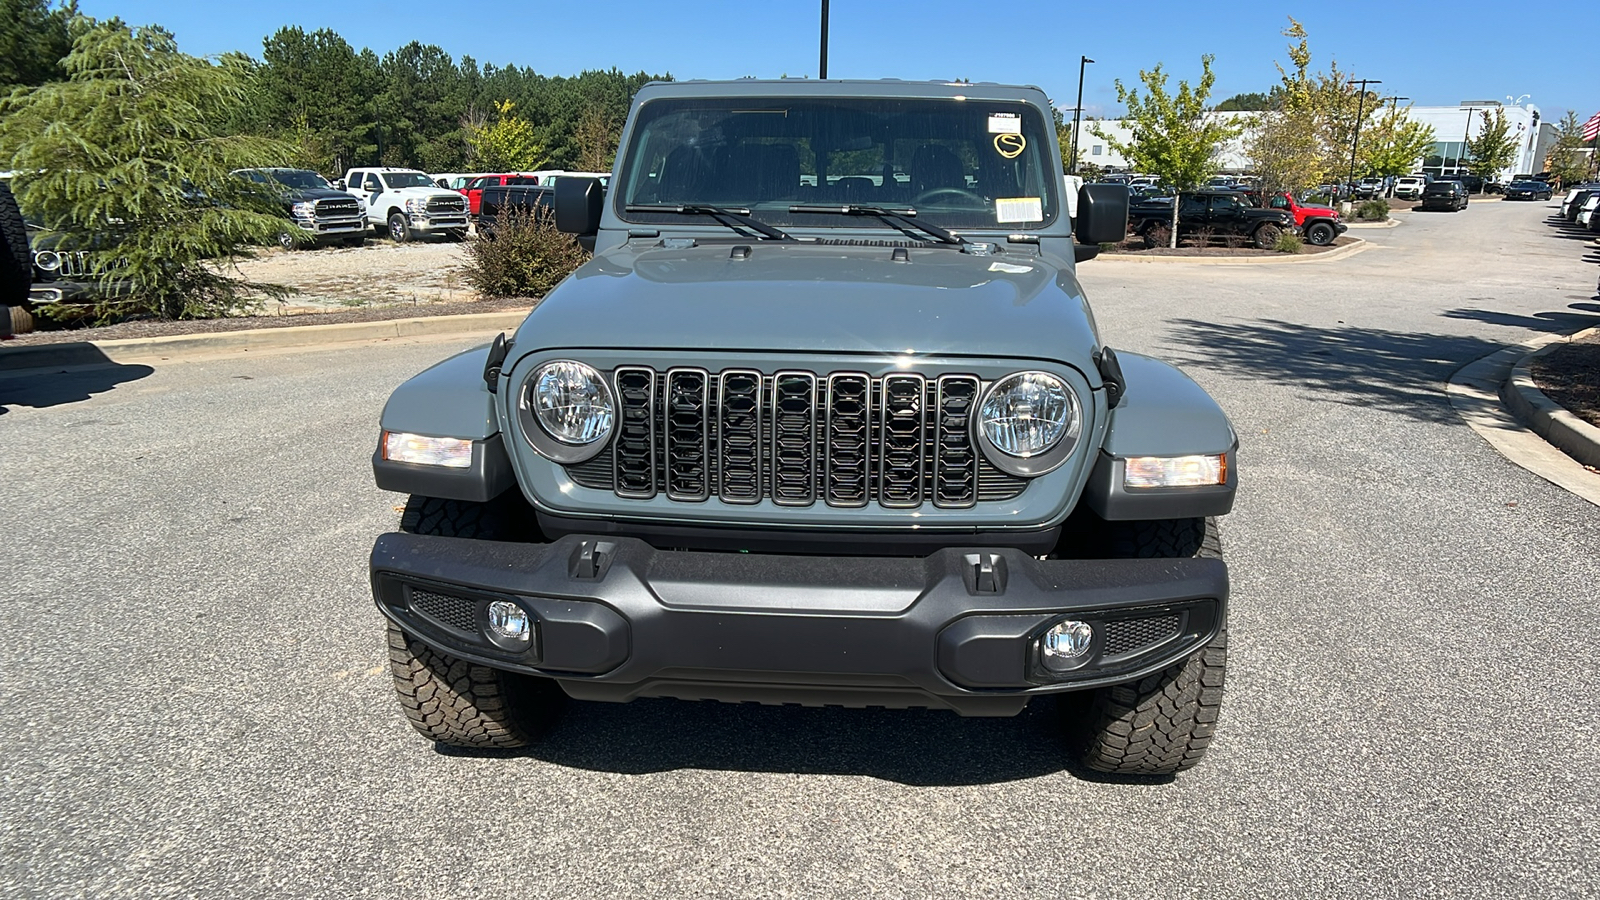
(579, 202)
(1102, 214)
(339, 185)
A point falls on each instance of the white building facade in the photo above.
(1452, 125)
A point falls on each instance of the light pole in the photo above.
(823, 68)
(1466, 136)
(1356, 141)
(1076, 112)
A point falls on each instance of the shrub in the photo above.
(1375, 210)
(1289, 243)
(525, 257)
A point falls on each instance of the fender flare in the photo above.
(449, 399)
(1162, 412)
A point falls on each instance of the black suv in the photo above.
(1450, 196)
(1218, 212)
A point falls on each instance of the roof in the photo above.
(813, 87)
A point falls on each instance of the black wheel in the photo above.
(286, 241)
(1157, 236)
(1163, 723)
(452, 701)
(399, 228)
(1266, 237)
(1320, 234)
(16, 258)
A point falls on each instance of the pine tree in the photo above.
(130, 157)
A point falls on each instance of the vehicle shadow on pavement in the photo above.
(42, 388)
(923, 748)
(1401, 371)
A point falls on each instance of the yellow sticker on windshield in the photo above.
(1010, 145)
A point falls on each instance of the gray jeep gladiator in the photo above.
(825, 421)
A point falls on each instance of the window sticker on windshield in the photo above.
(1018, 209)
(1010, 145)
(1005, 123)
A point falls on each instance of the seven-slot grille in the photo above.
(795, 438)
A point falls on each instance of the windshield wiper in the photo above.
(900, 218)
(727, 215)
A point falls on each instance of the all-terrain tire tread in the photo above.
(16, 262)
(451, 701)
(1164, 723)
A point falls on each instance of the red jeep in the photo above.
(1319, 224)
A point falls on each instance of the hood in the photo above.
(298, 195)
(788, 297)
(423, 193)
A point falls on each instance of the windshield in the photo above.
(299, 178)
(397, 180)
(961, 164)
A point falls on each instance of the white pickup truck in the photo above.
(407, 203)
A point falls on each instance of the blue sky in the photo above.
(1476, 51)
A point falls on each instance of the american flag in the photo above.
(1591, 128)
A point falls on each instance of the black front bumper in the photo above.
(617, 619)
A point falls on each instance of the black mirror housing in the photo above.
(579, 202)
(1102, 214)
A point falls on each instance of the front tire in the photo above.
(452, 701)
(1266, 237)
(1163, 723)
(399, 228)
(1320, 234)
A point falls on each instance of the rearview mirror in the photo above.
(1102, 214)
(579, 202)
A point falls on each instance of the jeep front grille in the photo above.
(796, 437)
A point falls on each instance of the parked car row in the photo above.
(1581, 206)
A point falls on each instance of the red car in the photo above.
(1319, 224)
(474, 188)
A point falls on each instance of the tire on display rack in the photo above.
(1320, 234)
(1163, 723)
(1266, 236)
(399, 228)
(452, 701)
(16, 260)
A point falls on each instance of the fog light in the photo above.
(510, 621)
(1066, 645)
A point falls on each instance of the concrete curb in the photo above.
(1281, 259)
(1549, 419)
(1390, 222)
(1474, 391)
(39, 356)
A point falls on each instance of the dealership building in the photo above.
(1452, 125)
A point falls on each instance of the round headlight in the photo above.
(572, 402)
(1026, 414)
(47, 260)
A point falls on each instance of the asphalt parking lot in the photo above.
(197, 703)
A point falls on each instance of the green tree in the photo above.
(1249, 102)
(130, 159)
(1173, 137)
(596, 134)
(316, 91)
(1493, 150)
(1395, 144)
(1565, 161)
(507, 144)
(34, 38)
(1307, 137)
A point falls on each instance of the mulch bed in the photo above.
(1570, 375)
(148, 328)
(1186, 247)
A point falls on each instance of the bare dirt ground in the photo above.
(382, 280)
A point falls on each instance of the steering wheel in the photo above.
(926, 196)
